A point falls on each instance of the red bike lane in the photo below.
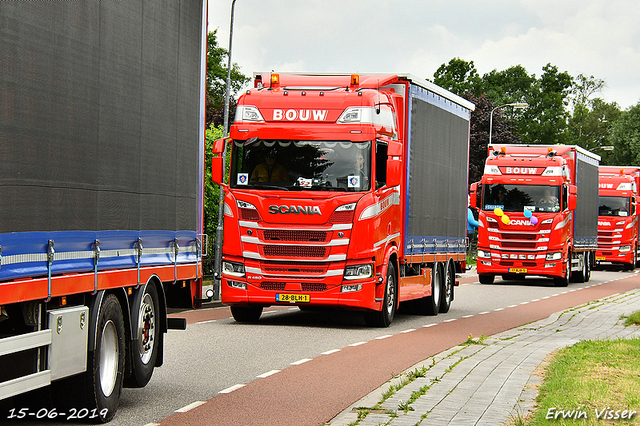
(314, 392)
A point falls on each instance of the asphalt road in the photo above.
(297, 367)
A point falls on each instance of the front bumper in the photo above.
(255, 295)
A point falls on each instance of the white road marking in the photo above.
(190, 406)
(231, 389)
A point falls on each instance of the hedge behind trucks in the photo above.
(101, 189)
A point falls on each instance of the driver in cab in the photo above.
(269, 170)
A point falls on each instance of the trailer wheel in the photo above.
(486, 278)
(384, 317)
(447, 291)
(98, 388)
(246, 314)
(144, 350)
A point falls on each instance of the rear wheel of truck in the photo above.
(579, 277)
(98, 388)
(144, 349)
(430, 305)
(246, 314)
(447, 291)
(384, 317)
(587, 270)
(486, 278)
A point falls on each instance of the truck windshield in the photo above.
(614, 206)
(517, 198)
(301, 165)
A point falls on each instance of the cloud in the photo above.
(591, 37)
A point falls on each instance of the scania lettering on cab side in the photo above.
(538, 213)
(101, 189)
(344, 191)
(618, 216)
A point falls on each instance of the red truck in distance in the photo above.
(537, 213)
(345, 191)
(618, 216)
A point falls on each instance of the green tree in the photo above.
(503, 133)
(511, 85)
(217, 61)
(545, 121)
(459, 77)
(625, 137)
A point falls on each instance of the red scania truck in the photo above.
(101, 197)
(538, 213)
(344, 191)
(618, 216)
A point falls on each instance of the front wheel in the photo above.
(563, 281)
(384, 317)
(246, 314)
(486, 278)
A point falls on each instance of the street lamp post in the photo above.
(516, 105)
(217, 263)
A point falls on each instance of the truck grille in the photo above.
(280, 267)
(518, 245)
(529, 237)
(299, 236)
(311, 287)
(272, 286)
(293, 251)
(281, 286)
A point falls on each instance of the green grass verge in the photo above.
(591, 383)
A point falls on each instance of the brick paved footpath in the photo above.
(494, 383)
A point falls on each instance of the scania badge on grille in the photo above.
(310, 210)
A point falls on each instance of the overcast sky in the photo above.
(590, 37)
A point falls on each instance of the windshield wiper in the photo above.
(255, 185)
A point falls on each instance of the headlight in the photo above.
(484, 254)
(358, 272)
(625, 248)
(237, 284)
(554, 256)
(233, 269)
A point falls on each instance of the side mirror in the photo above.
(394, 163)
(573, 197)
(217, 162)
(473, 195)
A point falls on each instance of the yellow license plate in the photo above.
(600, 258)
(293, 298)
(518, 270)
